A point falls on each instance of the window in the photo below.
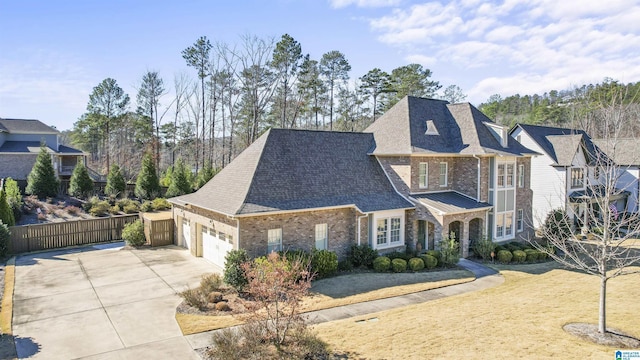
(222, 236)
(431, 128)
(520, 221)
(230, 238)
(508, 224)
(520, 176)
(577, 178)
(501, 175)
(424, 175)
(499, 226)
(510, 170)
(443, 174)
(381, 237)
(321, 236)
(274, 240)
(395, 230)
(596, 173)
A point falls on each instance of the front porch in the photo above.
(585, 207)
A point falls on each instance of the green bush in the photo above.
(399, 265)
(324, 263)
(345, 265)
(133, 233)
(382, 264)
(499, 248)
(90, 203)
(519, 256)
(115, 182)
(5, 235)
(435, 253)
(512, 247)
(430, 261)
(504, 256)
(160, 204)
(449, 251)
(115, 209)
(42, 180)
(398, 255)
(100, 208)
(532, 255)
(483, 248)
(147, 183)
(557, 224)
(146, 206)
(6, 213)
(131, 209)
(81, 184)
(542, 256)
(295, 255)
(362, 255)
(14, 197)
(234, 276)
(416, 264)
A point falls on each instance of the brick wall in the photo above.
(16, 166)
(298, 230)
(200, 217)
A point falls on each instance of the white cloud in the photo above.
(421, 59)
(363, 3)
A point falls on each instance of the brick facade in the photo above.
(197, 218)
(524, 201)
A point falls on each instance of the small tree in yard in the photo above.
(81, 183)
(449, 250)
(233, 273)
(147, 183)
(6, 214)
(115, 182)
(180, 184)
(5, 235)
(42, 180)
(14, 197)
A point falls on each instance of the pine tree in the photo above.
(180, 183)
(6, 214)
(147, 183)
(205, 175)
(42, 180)
(115, 182)
(81, 183)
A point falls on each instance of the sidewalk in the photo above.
(485, 278)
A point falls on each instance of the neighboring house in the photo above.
(566, 175)
(626, 155)
(424, 169)
(20, 142)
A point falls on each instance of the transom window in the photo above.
(321, 236)
(274, 240)
(443, 174)
(423, 175)
(577, 178)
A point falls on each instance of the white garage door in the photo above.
(215, 246)
(186, 233)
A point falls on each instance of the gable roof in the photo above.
(25, 126)
(299, 169)
(624, 152)
(451, 202)
(402, 130)
(560, 144)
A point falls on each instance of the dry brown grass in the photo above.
(343, 290)
(523, 318)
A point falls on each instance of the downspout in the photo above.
(478, 196)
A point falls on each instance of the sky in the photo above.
(52, 53)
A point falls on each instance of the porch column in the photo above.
(464, 242)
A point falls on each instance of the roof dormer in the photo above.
(499, 132)
(431, 128)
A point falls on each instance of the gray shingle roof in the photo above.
(25, 126)
(624, 152)
(561, 143)
(34, 147)
(451, 202)
(297, 170)
(461, 127)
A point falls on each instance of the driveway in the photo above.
(103, 302)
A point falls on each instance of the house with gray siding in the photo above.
(20, 141)
(625, 152)
(423, 170)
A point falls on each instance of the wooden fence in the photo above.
(159, 232)
(58, 235)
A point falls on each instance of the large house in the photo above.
(20, 142)
(424, 170)
(626, 155)
(568, 173)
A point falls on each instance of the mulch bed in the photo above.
(613, 338)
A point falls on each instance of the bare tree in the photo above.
(149, 93)
(335, 68)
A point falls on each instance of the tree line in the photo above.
(237, 92)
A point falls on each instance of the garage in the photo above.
(215, 245)
(186, 233)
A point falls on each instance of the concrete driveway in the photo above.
(103, 302)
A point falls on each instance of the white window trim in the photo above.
(571, 186)
(387, 215)
(426, 175)
(274, 234)
(520, 220)
(504, 189)
(446, 174)
(521, 176)
(325, 230)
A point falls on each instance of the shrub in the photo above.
(72, 210)
(6, 214)
(222, 306)
(382, 264)
(532, 255)
(81, 184)
(5, 235)
(398, 255)
(399, 265)
(416, 264)
(194, 298)
(324, 263)
(90, 203)
(179, 183)
(512, 247)
(42, 180)
(14, 197)
(345, 265)
(296, 255)
(100, 208)
(210, 283)
(115, 182)
(133, 233)
(234, 275)
(214, 297)
(542, 256)
(147, 183)
(449, 251)
(519, 256)
(362, 255)
(499, 248)
(115, 209)
(146, 206)
(131, 209)
(430, 261)
(483, 248)
(505, 256)
(160, 204)
(557, 224)
(435, 253)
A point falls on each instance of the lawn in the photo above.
(522, 318)
(343, 290)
